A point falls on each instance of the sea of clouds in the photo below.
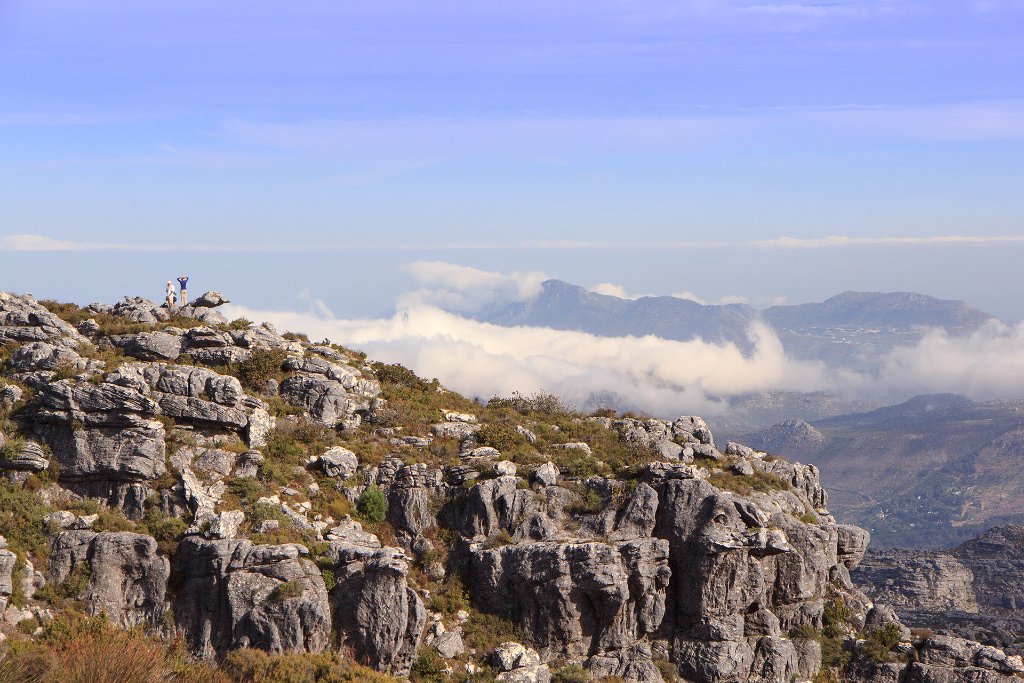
(431, 333)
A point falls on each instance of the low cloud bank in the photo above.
(431, 334)
(659, 376)
(984, 365)
(466, 290)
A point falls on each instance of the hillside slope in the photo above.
(245, 493)
(930, 472)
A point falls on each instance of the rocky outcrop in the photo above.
(331, 392)
(577, 599)
(790, 436)
(239, 594)
(919, 580)
(23, 319)
(127, 577)
(975, 588)
(105, 438)
(377, 615)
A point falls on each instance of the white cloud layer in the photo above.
(658, 376)
(479, 359)
(984, 365)
(462, 289)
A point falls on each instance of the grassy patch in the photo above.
(287, 590)
(745, 484)
(22, 515)
(256, 666)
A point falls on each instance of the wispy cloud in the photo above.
(35, 242)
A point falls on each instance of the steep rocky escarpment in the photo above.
(244, 490)
(974, 590)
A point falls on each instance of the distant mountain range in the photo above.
(927, 473)
(852, 329)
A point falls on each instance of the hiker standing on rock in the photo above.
(183, 281)
(169, 297)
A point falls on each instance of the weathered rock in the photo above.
(45, 356)
(327, 401)
(127, 575)
(210, 299)
(226, 524)
(575, 597)
(28, 458)
(518, 664)
(104, 438)
(22, 319)
(258, 429)
(917, 580)
(8, 560)
(248, 464)
(339, 462)
(454, 430)
(237, 594)
(156, 346)
(449, 644)
(216, 461)
(375, 612)
(9, 396)
(547, 474)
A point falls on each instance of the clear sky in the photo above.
(255, 144)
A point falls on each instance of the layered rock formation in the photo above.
(974, 589)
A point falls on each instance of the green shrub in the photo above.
(878, 644)
(745, 484)
(248, 490)
(499, 538)
(21, 519)
(68, 591)
(428, 668)
(484, 632)
(572, 673)
(261, 365)
(450, 598)
(588, 502)
(372, 505)
(502, 436)
(256, 666)
(75, 649)
(168, 531)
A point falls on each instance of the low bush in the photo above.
(76, 649)
(484, 632)
(261, 365)
(256, 666)
(572, 673)
(428, 668)
(372, 505)
(22, 515)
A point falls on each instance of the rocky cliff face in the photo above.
(974, 589)
(201, 478)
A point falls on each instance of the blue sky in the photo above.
(139, 138)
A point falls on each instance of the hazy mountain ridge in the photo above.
(851, 329)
